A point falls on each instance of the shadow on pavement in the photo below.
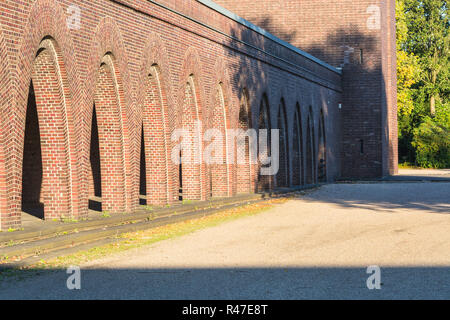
(431, 197)
(240, 283)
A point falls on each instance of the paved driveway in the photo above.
(317, 246)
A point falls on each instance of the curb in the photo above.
(50, 246)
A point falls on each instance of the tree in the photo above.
(427, 38)
(423, 71)
(408, 69)
(432, 140)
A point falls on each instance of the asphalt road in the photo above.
(316, 247)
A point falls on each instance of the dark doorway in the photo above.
(244, 169)
(322, 171)
(264, 182)
(32, 170)
(298, 149)
(95, 196)
(211, 183)
(283, 172)
(180, 176)
(143, 173)
(310, 153)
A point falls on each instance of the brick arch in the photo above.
(219, 170)
(283, 103)
(46, 174)
(156, 140)
(262, 94)
(256, 89)
(283, 175)
(6, 100)
(111, 151)
(297, 147)
(222, 78)
(157, 113)
(108, 67)
(310, 149)
(192, 70)
(262, 100)
(322, 149)
(47, 20)
(244, 168)
(191, 106)
(264, 122)
(108, 38)
(280, 95)
(219, 116)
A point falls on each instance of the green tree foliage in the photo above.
(408, 69)
(423, 69)
(432, 140)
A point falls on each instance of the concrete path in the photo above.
(317, 246)
(419, 175)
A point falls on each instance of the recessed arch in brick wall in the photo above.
(156, 146)
(108, 74)
(265, 182)
(254, 90)
(47, 175)
(282, 177)
(322, 150)
(310, 149)
(219, 169)
(297, 148)
(191, 168)
(221, 117)
(46, 30)
(157, 110)
(191, 117)
(244, 181)
(110, 137)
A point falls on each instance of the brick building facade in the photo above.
(92, 92)
(359, 37)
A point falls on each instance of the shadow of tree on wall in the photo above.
(364, 112)
(267, 23)
(342, 47)
(364, 122)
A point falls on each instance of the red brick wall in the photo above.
(55, 182)
(336, 32)
(136, 62)
(297, 150)
(111, 136)
(6, 99)
(282, 178)
(244, 172)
